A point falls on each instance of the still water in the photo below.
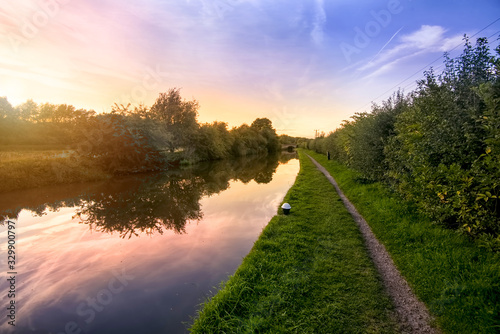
(133, 254)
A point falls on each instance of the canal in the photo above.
(135, 254)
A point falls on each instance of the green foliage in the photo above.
(289, 140)
(45, 124)
(116, 147)
(178, 116)
(258, 138)
(246, 141)
(308, 273)
(264, 127)
(261, 124)
(439, 156)
(439, 146)
(360, 143)
(372, 135)
(27, 111)
(133, 139)
(6, 109)
(44, 167)
(456, 279)
(213, 141)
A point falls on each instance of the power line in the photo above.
(426, 66)
(438, 68)
(414, 84)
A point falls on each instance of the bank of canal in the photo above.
(309, 272)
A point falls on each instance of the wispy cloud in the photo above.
(319, 20)
(427, 39)
(265, 53)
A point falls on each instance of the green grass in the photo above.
(31, 169)
(458, 280)
(308, 272)
(33, 148)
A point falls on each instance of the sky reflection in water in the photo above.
(139, 254)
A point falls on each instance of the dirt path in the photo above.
(412, 313)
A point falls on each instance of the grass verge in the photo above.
(456, 279)
(32, 169)
(307, 273)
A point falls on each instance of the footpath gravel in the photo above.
(411, 312)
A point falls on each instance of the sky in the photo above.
(306, 65)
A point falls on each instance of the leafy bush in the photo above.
(213, 142)
(439, 146)
(116, 147)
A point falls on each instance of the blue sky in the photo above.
(306, 65)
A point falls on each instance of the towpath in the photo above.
(412, 313)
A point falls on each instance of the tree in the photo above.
(178, 116)
(115, 146)
(264, 127)
(372, 133)
(47, 112)
(28, 111)
(262, 123)
(6, 109)
(213, 141)
(64, 113)
(441, 156)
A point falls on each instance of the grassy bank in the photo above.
(307, 273)
(459, 280)
(23, 169)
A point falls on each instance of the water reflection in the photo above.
(157, 204)
(73, 280)
(149, 204)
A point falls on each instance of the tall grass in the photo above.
(307, 273)
(457, 278)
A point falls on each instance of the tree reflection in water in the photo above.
(159, 203)
(154, 203)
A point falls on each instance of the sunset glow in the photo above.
(303, 64)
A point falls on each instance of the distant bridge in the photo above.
(288, 147)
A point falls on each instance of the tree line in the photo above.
(139, 138)
(439, 145)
